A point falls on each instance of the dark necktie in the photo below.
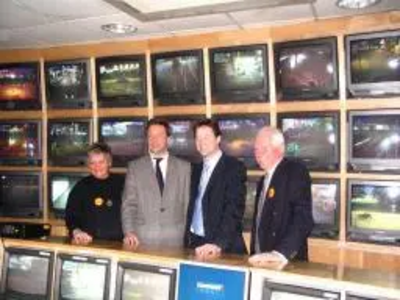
(159, 176)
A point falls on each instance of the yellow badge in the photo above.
(271, 192)
(98, 201)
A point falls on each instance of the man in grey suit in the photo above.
(156, 193)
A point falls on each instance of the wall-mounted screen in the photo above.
(238, 134)
(239, 74)
(68, 141)
(374, 140)
(373, 211)
(27, 274)
(312, 138)
(21, 194)
(307, 69)
(201, 281)
(125, 136)
(20, 86)
(373, 64)
(20, 143)
(121, 81)
(178, 78)
(68, 84)
(139, 281)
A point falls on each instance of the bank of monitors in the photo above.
(68, 84)
(182, 141)
(81, 277)
(27, 274)
(239, 74)
(238, 134)
(312, 138)
(59, 186)
(68, 141)
(325, 208)
(373, 211)
(202, 281)
(21, 194)
(20, 86)
(273, 290)
(139, 281)
(178, 78)
(121, 81)
(125, 136)
(373, 64)
(21, 142)
(307, 69)
(374, 140)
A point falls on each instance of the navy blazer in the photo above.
(286, 219)
(223, 204)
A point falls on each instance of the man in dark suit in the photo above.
(217, 200)
(283, 217)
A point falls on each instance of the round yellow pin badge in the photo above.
(271, 193)
(98, 201)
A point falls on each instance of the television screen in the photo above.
(312, 138)
(138, 281)
(251, 193)
(20, 143)
(21, 194)
(373, 64)
(280, 291)
(238, 134)
(239, 74)
(373, 212)
(82, 277)
(181, 141)
(121, 81)
(125, 136)
(20, 86)
(325, 207)
(27, 274)
(307, 70)
(60, 185)
(68, 141)
(374, 140)
(178, 78)
(202, 281)
(68, 84)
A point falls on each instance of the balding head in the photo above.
(269, 147)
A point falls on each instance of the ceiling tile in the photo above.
(14, 16)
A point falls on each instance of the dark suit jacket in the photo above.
(286, 219)
(223, 204)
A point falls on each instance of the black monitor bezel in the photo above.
(33, 104)
(336, 118)
(28, 252)
(292, 94)
(67, 161)
(61, 257)
(36, 161)
(179, 98)
(123, 265)
(239, 95)
(122, 100)
(78, 103)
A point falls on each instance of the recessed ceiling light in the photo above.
(356, 4)
(119, 28)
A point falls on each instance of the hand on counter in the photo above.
(273, 259)
(80, 237)
(207, 252)
(131, 241)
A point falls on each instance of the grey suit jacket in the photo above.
(155, 219)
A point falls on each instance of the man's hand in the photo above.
(272, 260)
(80, 237)
(131, 241)
(207, 252)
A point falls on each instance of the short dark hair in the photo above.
(213, 124)
(98, 148)
(161, 122)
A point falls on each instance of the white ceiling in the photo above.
(45, 23)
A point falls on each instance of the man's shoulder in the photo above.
(145, 159)
(232, 161)
(179, 162)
